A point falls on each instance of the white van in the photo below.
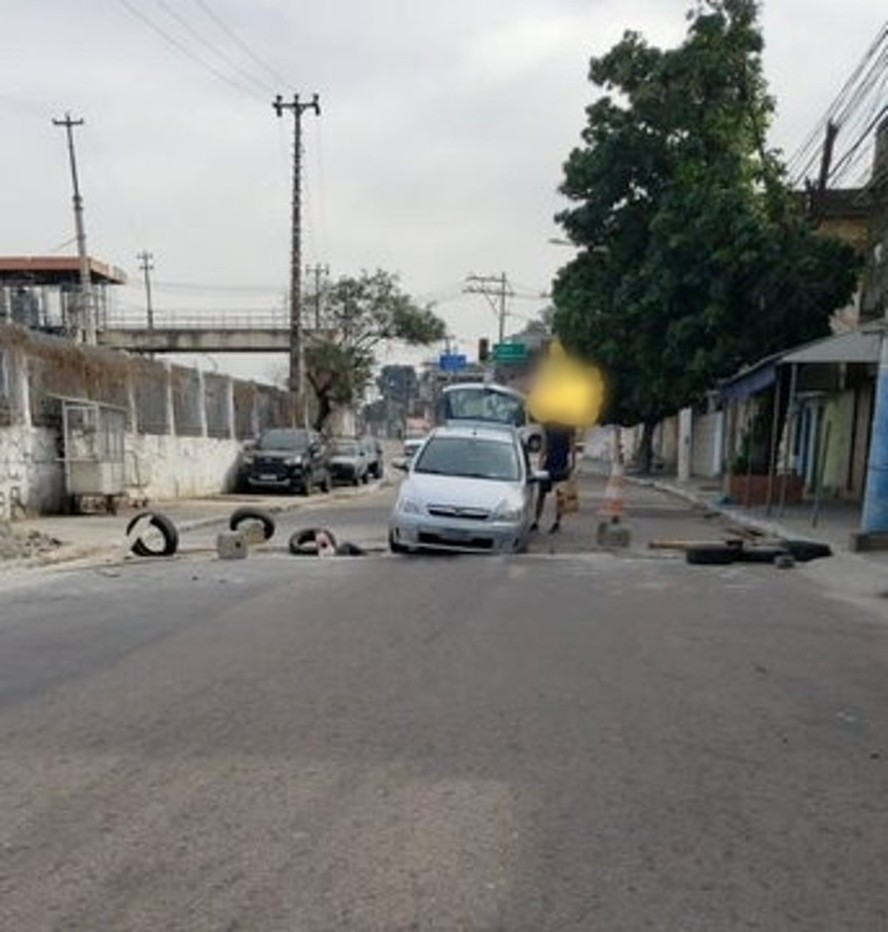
(484, 402)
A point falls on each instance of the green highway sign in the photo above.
(510, 352)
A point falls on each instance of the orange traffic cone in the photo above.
(611, 532)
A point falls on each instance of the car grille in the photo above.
(442, 540)
(455, 511)
(271, 466)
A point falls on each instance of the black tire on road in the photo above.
(395, 547)
(167, 530)
(302, 543)
(714, 555)
(240, 515)
(806, 550)
(759, 554)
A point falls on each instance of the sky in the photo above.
(437, 154)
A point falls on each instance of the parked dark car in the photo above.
(348, 461)
(285, 458)
(373, 449)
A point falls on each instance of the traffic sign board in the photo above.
(510, 352)
(452, 362)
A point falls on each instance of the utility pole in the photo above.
(146, 265)
(87, 305)
(297, 344)
(317, 271)
(496, 289)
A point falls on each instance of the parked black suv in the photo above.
(287, 458)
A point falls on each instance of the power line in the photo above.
(236, 39)
(847, 111)
(263, 85)
(186, 51)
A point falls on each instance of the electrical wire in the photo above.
(845, 111)
(194, 33)
(147, 21)
(236, 39)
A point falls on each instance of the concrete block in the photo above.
(231, 545)
(252, 532)
(613, 534)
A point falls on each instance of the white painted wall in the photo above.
(31, 476)
(32, 479)
(179, 467)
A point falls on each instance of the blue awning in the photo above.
(750, 381)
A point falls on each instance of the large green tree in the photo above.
(693, 258)
(358, 315)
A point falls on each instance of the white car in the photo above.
(469, 488)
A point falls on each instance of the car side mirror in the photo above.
(400, 465)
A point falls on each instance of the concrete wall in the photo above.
(183, 429)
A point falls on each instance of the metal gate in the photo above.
(93, 436)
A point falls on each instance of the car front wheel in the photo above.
(394, 546)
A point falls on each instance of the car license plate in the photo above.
(267, 477)
(457, 537)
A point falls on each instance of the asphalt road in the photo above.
(559, 741)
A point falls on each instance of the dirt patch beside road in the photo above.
(24, 545)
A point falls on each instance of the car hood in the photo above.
(343, 459)
(456, 490)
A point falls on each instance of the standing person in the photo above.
(558, 457)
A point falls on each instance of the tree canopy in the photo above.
(693, 257)
(357, 315)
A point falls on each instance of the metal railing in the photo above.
(220, 320)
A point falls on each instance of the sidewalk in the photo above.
(860, 577)
(833, 525)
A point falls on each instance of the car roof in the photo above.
(482, 430)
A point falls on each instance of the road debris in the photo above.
(23, 545)
(144, 543)
(231, 545)
(258, 525)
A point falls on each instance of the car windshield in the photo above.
(484, 404)
(345, 448)
(283, 440)
(470, 457)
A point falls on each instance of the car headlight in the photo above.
(409, 506)
(292, 461)
(248, 459)
(506, 511)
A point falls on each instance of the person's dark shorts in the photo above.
(553, 480)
